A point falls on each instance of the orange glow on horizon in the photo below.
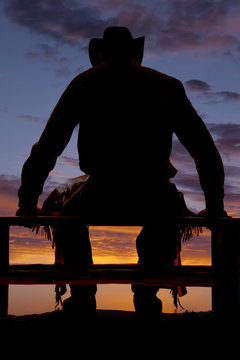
(8, 205)
(109, 245)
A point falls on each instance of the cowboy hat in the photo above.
(116, 39)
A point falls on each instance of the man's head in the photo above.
(117, 45)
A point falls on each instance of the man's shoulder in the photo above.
(87, 74)
(93, 73)
(157, 75)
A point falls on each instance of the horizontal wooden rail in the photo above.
(108, 274)
(56, 220)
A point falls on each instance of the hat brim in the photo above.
(96, 49)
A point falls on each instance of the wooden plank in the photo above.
(102, 274)
(216, 256)
(55, 220)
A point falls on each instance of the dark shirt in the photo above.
(127, 116)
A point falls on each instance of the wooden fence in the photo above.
(222, 276)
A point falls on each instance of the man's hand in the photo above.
(30, 212)
(218, 213)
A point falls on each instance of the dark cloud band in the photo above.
(173, 26)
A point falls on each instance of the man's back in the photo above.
(126, 120)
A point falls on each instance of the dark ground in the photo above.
(117, 333)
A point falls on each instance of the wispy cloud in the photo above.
(3, 110)
(8, 194)
(205, 91)
(228, 95)
(227, 140)
(114, 243)
(9, 184)
(29, 117)
(56, 19)
(44, 52)
(27, 247)
(227, 137)
(69, 161)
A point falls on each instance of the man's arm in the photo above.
(44, 153)
(193, 134)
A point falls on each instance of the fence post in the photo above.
(215, 249)
(4, 263)
(226, 261)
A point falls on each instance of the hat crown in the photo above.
(117, 34)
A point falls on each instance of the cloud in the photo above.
(29, 117)
(202, 22)
(227, 133)
(227, 138)
(9, 184)
(50, 53)
(197, 85)
(181, 26)
(56, 19)
(44, 51)
(229, 95)
(114, 242)
(220, 97)
(205, 91)
(70, 161)
(175, 26)
(8, 194)
(27, 247)
(3, 110)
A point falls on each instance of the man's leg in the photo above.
(156, 245)
(76, 251)
(156, 248)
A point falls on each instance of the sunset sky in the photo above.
(44, 44)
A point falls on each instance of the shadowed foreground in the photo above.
(118, 333)
(125, 322)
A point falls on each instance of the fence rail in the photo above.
(222, 275)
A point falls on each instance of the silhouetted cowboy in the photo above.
(127, 115)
